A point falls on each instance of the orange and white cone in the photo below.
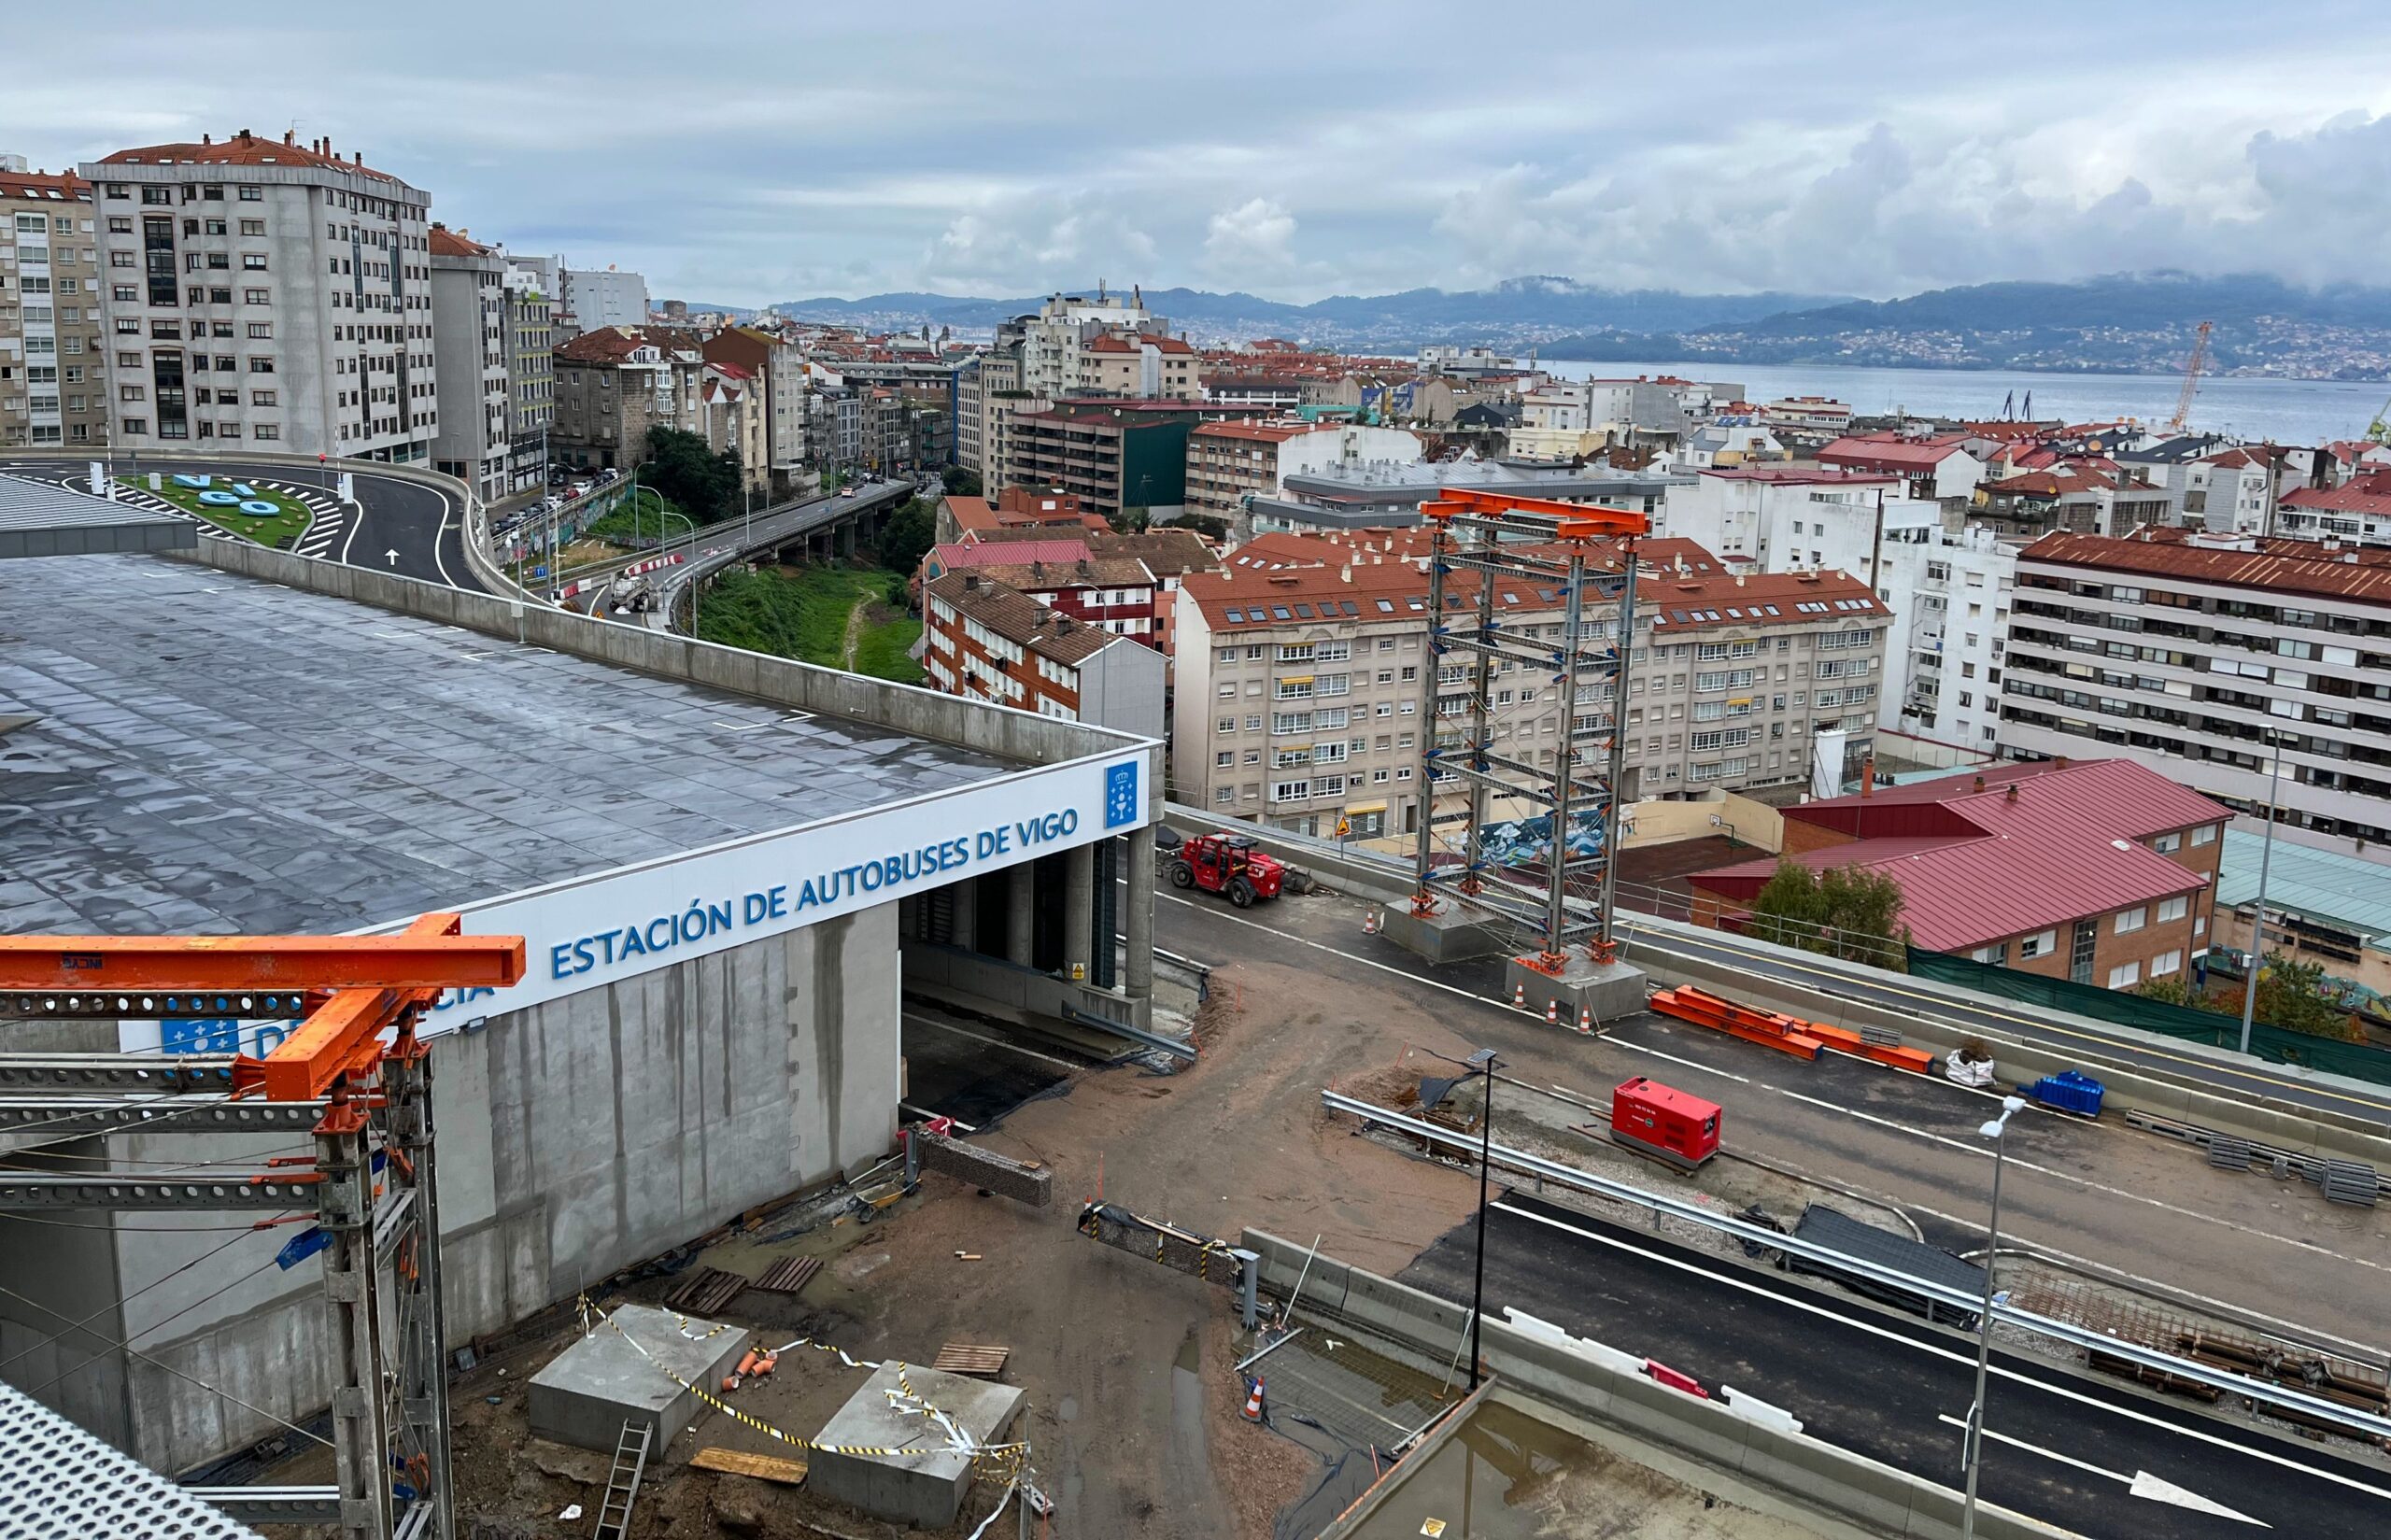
(1586, 1019)
(1253, 1401)
(1369, 922)
(1553, 1012)
(1518, 997)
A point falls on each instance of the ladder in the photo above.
(622, 1483)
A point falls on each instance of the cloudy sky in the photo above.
(748, 153)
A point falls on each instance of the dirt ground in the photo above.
(1124, 1444)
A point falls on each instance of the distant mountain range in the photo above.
(2125, 322)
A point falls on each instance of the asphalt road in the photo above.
(2101, 1194)
(717, 546)
(2063, 1448)
(398, 526)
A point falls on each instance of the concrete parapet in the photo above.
(1451, 935)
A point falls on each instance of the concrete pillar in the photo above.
(966, 930)
(1021, 915)
(1078, 909)
(1138, 915)
(847, 538)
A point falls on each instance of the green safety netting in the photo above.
(2359, 1060)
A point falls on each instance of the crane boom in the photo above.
(2191, 378)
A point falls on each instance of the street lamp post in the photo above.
(1481, 1063)
(2258, 916)
(659, 521)
(1997, 1131)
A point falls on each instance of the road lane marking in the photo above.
(1689, 1063)
(2140, 1484)
(1980, 1150)
(1969, 1359)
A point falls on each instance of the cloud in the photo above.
(1255, 236)
(1028, 243)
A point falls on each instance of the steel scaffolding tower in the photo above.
(356, 1074)
(1548, 548)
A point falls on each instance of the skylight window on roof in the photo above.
(1303, 611)
(1278, 611)
(1386, 606)
(1509, 597)
(1346, 605)
(1236, 617)
(1415, 604)
(1733, 613)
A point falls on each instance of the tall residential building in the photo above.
(2202, 660)
(984, 639)
(531, 375)
(1228, 462)
(597, 299)
(779, 368)
(470, 336)
(1111, 457)
(1299, 696)
(54, 378)
(264, 290)
(1951, 596)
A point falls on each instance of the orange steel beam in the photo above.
(1577, 520)
(419, 959)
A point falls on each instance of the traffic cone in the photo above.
(1369, 922)
(1586, 1021)
(1253, 1401)
(1520, 996)
(1552, 1011)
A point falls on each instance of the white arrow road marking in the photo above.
(2140, 1484)
(393, 555)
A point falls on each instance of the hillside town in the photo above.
(779, 768)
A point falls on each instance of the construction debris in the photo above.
(763, 1467)
(706, 1291)
(977, 1360)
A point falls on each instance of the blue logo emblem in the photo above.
(1121, 794)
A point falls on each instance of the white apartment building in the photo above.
(2199, 662)
(53, 374)
(1299, 696)
(470, 315)
(1951, 596)
(266, 292)
(595, 299)
(1053, 358)
(1769, 518)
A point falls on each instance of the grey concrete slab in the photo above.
(613, 1376)
(212, 753)
(923, 1477)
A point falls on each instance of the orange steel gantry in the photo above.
(1515, 537)
(357, 1001)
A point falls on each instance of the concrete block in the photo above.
(590, 1390)
(922, 1478)
(1876, 1495)
(1609, 991)
(1450, 935)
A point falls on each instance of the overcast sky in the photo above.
(746, 154)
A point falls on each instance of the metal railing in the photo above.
(2362, 1424)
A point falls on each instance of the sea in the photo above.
(2307, 412)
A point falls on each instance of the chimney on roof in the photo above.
(245, 135)
(1979, 785)
(2008, 792)
(290, 137)
(205, 139)
(2059, 763)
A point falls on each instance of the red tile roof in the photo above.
(245, 148)
(2324, 574)
(614, 344)
(1886, 452)
(1794, 475)
(1980, 866)
(1768, 599)
(49, 187)
(1016, 616)
(444, 242)
(2369, 493)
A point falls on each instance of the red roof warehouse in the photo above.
(2101, 872)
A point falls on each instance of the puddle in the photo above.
(1348, 1406)
(1505, 1476)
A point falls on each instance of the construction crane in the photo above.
(2191, 378)
(2378, 431)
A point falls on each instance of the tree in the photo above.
(1127, 520)
(1203, 524)
(1850, 913)
(701, 483)
(2176, 989)
(2295, 995)
(959, 482)
(908, 537)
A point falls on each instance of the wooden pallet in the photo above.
(706, 1291)
(763, 1467)
(978, 1360)
(787, 1277)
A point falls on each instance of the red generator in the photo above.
(1664, 1123)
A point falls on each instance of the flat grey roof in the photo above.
(211, 753)
(38, 518)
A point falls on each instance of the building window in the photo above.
(2130, 919)
(252, 227)
(2166, 963)
(262, 366)
(261, 331)
(2167, 844)
(1997, 953)
(266, 431)
(2205, 834)
(2125, 975)
(134, 425)
(263, 398)
(257, 296)
(2041, 944)
(251, 261)
(2173, 909)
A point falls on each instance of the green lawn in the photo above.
(656, 517)
(801, 613)
(280, 531)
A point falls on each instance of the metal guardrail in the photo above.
(2364, 1424)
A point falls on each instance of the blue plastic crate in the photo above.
(2071, 1092)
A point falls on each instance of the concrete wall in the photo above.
(1658, 822)
(574, 1139)
(1601, 1386)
